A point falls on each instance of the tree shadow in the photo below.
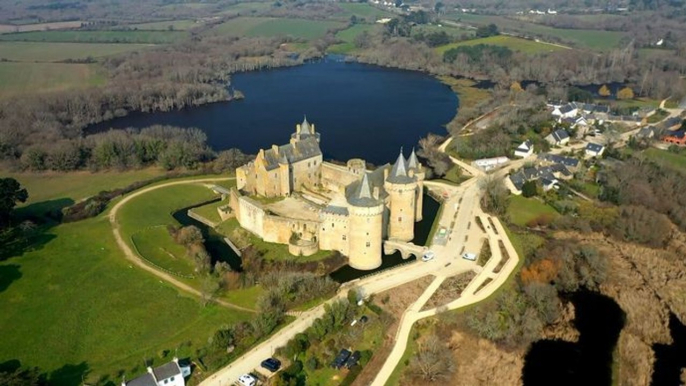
(41, 211)
(70, 375)
(17, 242)
(8, 274)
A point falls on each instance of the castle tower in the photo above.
(304, 130)
(401, 187)
(417, 170)
(365, 227)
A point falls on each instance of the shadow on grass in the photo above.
(13, 373)
(8, 274)
(44, 210)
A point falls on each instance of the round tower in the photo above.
(365, 227)
(402, 191)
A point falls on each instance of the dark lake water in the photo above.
(599, 321)
(361, 110)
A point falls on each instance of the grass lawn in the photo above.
(514, 43)
(158, 247)
(210, 211)
(75, 306)
(244, 297)
(264, 26)
(658, 116)
(676, 161)
(271, 251)
(593, 39)
(154, 208)
(636, 102)
(521, 210)
(455, 175)
(20, 78)
(348, 36)
(177, 25)
(76, 186)
(55, 52)
(245, 8)
(104, 36)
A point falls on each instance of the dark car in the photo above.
(352, 361)
(271, 364)
(340, 359)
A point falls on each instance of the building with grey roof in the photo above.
(168, 374)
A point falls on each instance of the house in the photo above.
(169, 374)
(558, 138)
(487, 164)
(647, 132)
(567, 111)
(569, 162)
(594, 150)
(548, 176)
(676, 137)
(524, 150)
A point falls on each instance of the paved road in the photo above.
(135, 259)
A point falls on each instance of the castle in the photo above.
(289, 195)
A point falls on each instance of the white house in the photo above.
(558, 138)
(525, 149)
(594, 150)
(169, 374)
(487, 164)
(566, 111)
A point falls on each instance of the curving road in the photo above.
(135, 259)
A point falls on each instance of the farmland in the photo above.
(55, 52)
(514, 43)
(262, 26)
(136, 37)
(592, 39)
(348, 37)
(176, 25)
(5, 28)
(20, 78)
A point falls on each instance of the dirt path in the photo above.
(133, 257)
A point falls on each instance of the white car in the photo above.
(247, 380)
(428, 255)
(469, 256)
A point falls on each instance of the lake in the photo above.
(361, 110)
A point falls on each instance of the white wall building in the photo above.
(524, 150)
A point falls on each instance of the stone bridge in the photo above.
(406, 249)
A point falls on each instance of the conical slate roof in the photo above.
(413, 163)
(305, 127)
(362, 194)
(398, 173)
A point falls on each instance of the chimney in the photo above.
(150, 369)
(385, 174)
(376, 192)
(176, 360)
(275, 149)
(411, 173)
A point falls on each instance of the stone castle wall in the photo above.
(334, 233)
(336, 178)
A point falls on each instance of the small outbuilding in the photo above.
(558, 137)
(524, 150)
(594, 150)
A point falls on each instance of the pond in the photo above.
(361, 110)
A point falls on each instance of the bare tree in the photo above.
(434, 361)
(494, 198)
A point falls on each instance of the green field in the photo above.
(511, 42)
(157, 246)
(210, 211)
(593, 39)
(245, 8)
(348, 37)
(55, 52)
(264, 26)
(19, 78)
(75, 306)
(521, 210)
(176, 25)
(136, 37)
(76, 186)
(362, 10)
(676, 161)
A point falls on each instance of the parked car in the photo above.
(428, 255)
(341, 358)
(247, 380)
(352, 361)
(469, 256)
(271, 364)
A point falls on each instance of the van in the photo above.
(247, 380)
(469, 256)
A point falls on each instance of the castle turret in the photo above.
(365, 227)
(401, 186)
(304, 130)
(419, 174)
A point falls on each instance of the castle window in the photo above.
(333, 225)
(368, 244)
(400, 219)
(345, 237)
